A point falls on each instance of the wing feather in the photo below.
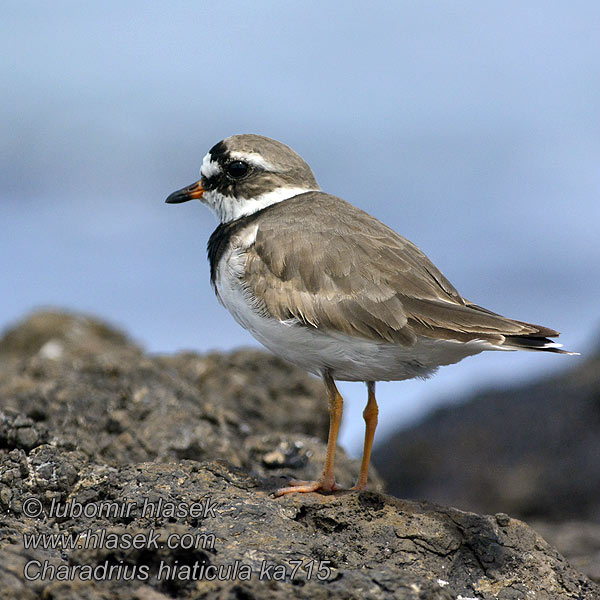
(327, 264)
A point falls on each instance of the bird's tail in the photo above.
(535, 343)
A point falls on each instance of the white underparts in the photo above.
(228, 208)
(346, 357)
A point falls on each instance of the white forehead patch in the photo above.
(209, 167)
(256, 160)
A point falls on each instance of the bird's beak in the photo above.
(191, 192)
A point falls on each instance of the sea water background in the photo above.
(471, 128)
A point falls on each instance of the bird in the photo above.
(332, 289)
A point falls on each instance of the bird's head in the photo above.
(243, 174)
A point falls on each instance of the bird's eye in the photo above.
(237, 169)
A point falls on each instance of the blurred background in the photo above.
(471, 128)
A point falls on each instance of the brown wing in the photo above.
(330, 265)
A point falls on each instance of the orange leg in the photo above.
(325, 483)
(370, 416)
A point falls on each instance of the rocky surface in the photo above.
(532, 451)
(152, 477)
(78, 376)
(578, 540)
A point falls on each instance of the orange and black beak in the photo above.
(191, 192)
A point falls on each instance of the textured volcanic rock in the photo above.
(362, 546)
(112, 455)
(577, 540)
(77, 376)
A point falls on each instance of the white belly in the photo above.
(347, 358)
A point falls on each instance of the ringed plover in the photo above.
(332, 289)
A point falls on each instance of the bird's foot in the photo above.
(359, 487)
(320, 485)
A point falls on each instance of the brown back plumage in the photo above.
(328, 264)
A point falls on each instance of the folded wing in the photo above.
(324, 263)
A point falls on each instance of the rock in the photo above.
(531, 451)
(152, 477)
(348, 545)
(579, 541)
(21, 432)
(110, 400)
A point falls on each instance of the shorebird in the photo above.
(330, 288)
